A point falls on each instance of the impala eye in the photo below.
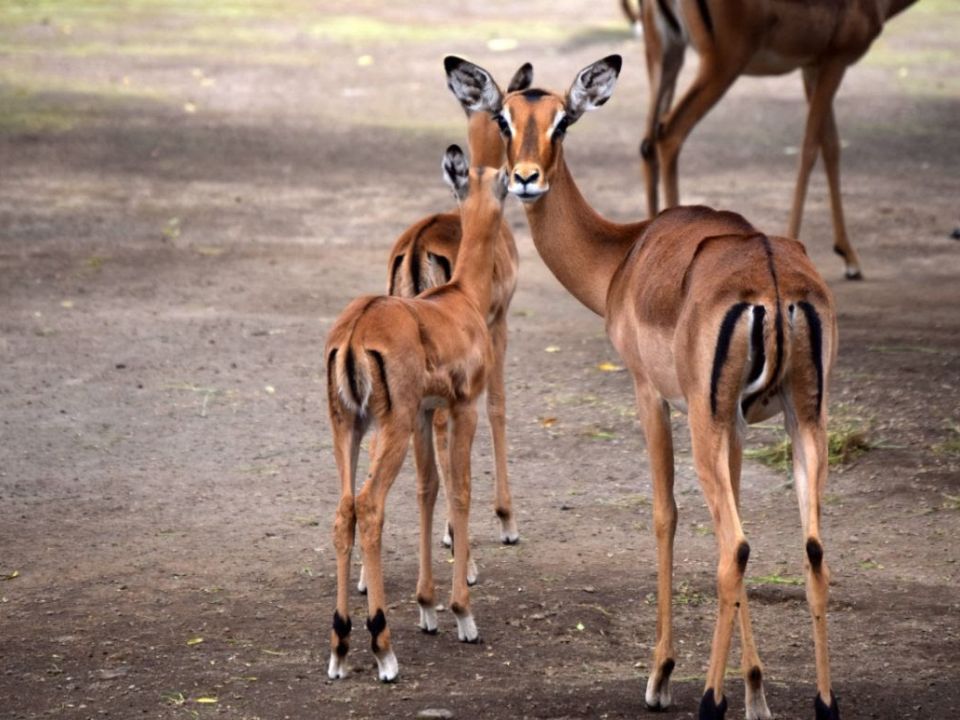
(503, 125)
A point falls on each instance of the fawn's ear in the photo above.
(522, 78)
(472, 85)
(593, 86)
(501, 184)
(455, 171)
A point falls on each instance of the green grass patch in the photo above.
(951, 445)
(847, 440)
(775, 579)
(361, 29)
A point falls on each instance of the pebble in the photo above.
(435, 713)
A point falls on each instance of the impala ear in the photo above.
(472, 85)
(501, 184)
(455, 171)
(593, 86)
(522, 78)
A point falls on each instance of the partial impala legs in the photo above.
(830, 147)
(714, 77)
(665, 53)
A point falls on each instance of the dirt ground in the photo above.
(190, 193)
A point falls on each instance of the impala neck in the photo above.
(473, 271)
(484, 141)
(579, 246)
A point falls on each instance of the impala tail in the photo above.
(356, 373)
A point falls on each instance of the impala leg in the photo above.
(809, 439)
(821, 87)
(463, 427)
(714, 77)
(362, 575)
(664, 50)
(711, 451)
(831, 163)
(497, 414)
(346, 448)
(370, 502)
(428, 483)
(654, 413)
(754, 697)
(441, 444)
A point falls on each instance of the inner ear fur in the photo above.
(592, 87)
(472, 85)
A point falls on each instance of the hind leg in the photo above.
(497, 414)
(346, 445)
(463, 427)
(428, 482)
(371, 500)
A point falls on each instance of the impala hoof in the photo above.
(509, 534)
(387, 666)
(428, 619)
(467, 629)
(853, 274)
(710, 709)
(658, 696)
(362, 582)
(337, 669)
(447, 540)
(824, 712)
(472, 574)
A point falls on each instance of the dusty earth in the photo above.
(189, 194)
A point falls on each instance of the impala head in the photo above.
(532, 122)
(473, 186)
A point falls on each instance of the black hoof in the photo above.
(428, 631)
(510, 541)
(824, 712)
(472, 583)
(476, 641)
(655, 708)
(709, 709)
(853, 275)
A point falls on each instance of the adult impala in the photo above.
(709, 315)
(755, 37)
(390, 362)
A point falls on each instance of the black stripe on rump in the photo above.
(778, 328)
(382, 367)
(415, 256)
(705, 14)
(331, 360)
(723, 347)
(756, 343)
(816, 345)
(394, 271)
(669, 16)
(351, 368)
(445, 266)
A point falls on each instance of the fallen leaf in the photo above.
(269, 389)
(195, 641)
(66, 304)
(11, 575)
(580, 626)
(365, 60)
(551, 349)
(189, 108)
(501, 44)
(610, 367)
(209, 250)
(206, 700)
(548, 421)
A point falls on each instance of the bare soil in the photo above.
(190, 193)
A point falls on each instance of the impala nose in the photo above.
(519, 178)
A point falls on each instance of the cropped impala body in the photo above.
(754, 37)
(708, 314)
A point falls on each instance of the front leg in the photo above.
(428, 482)
(497, 414)
(654, 414)
(463, 427)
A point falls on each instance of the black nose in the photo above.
(525, 180)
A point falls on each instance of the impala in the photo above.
(709, 315)
(391, 362)
(424, 256)
(755, 37)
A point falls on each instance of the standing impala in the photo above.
(391, 361)
(755, 37)
(709, 315)
(424, 256)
